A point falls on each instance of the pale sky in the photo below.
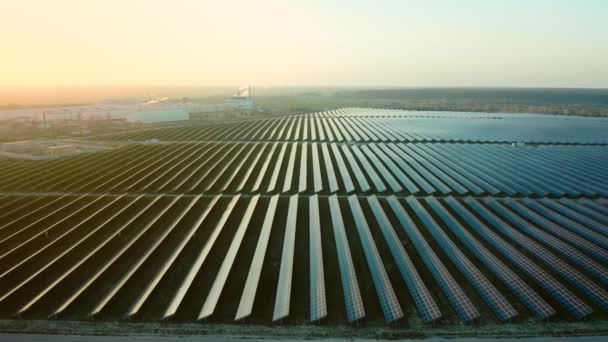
(551, 43)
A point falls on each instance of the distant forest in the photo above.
(584, 102)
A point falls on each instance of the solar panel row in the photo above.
(358, 124)
(246, 168)
(35, 269)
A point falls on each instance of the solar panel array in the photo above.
(382, 125)
(350, 215)
(270, 168)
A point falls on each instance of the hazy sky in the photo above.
(552, 43)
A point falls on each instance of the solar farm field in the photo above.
(355, 215)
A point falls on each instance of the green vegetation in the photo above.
(583, 102)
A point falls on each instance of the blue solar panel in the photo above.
(283, 297)
(455, 176)
(577, 228)
(318, 303)
(466, 174)
(411, 187)
(255, 270)
(561, 247)
(329, 169)
(388, 300)
(316, 168)
(461, 303)
(526, 295)
(499, 304)
(350, 286)
(378, 184)
(290, 167)
(426, 305)
(359, 175)
(345, 176)
(437, 184)
(590, 214)
(571, 274)
(599, 206)
(222, 275)
(449, 181)
(408, 170)
(539, 275)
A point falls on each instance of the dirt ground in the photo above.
(598, 328)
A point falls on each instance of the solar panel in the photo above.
(342, 129)
(238, 166)
(329, 169)
(29, 213)
(428, 188)
(277, 168)
(557, 244)
(337, 133)
(378, 184)
(225, 165)
(497, 302)
(283, 297)
(437, 184)
(388, 177)
(253, 277)
(66, 215)
(290, 167)
(363, 184)
(447, 170)
(220, 280)
(202, 166)
(498, 163)
(388, 300)
(91, 231)
(320, 127)
(126, 276)
(345, 176)
(330, 136)
(303, 167)
(350, 286)
(133, 184)
(52, 242)
(590, 214)
(208, 168)
(252, 166)
(58, 279)
(454, 185)
(33, 203)
(572, 303)
(426, 305)
(459, 300)
(491, 184)
(143, 296)
(200, 259)
(305, 130)
(487, 168)
(411, 187)
(598, 206)
(292, 122)
(524, 293)
(202, 151)
(565, 222)
(316, 168)
(318, 303)
(541, 174)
